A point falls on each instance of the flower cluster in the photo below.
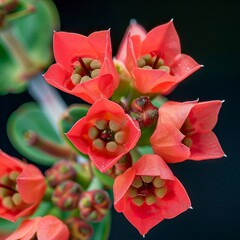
(124, 140)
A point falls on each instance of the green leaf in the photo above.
(159, 100)
(145, 150)
(102, 229)
(30, 117)
(33, 33)
(103, 178)
(7, 226)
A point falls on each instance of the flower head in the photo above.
(84, 65)
(41, 228)
(106, 133)
(154, 59)
(184, 131)
(148, 193)
(22, 187)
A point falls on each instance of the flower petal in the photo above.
(26, 230)
(66, 46)
(163, 38)
(51, 228)
(204, 115)
(153, 165)
(133, 29)
(166, 141)
(205, 146)
(31, 184)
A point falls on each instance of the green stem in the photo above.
(17, 52)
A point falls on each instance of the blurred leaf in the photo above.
(7, 226)
(103, 178)
(145, 150)
(34, 33)
(159, 100)
(102, 229)
(30, 117)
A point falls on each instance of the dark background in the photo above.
(209, 32)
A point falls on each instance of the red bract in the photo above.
(184, 131)
(154, 59)
(148, 193)
(84, 65)
(22, 187)
(106, 133)
(41, 228)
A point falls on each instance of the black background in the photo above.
(209, 32)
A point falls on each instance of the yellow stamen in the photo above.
(160, 192)
(17, 199)
(132, 192)
(138, 201)
(150, 199)
(120, 137)
(165, 68)
(137, 182)
(147, 179)
(87, 61)
(76, 78)
(93, 132)
(13, 175)
(95, 73)
(7, 202)
(147, 67)
(158, 182)
(99, 144)
(141, 62)
(95, 64)
(85, 79)
(114, 126)
(101, 124)
(112, 146)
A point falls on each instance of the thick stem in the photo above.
(16, 50)
(48, 147)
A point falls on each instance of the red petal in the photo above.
(163, 38)
(182, 66)
(51, 228)
(204, 115)
(31, 184)
(100, 41)
(133, 29)
(8, 162)
(67, 46)
(175, 201)
(26, 230)
(157, 81)
(205, 146)
(153, 165)
(166, 141)
(175, 113)
(120, 187)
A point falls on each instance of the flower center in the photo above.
(147, 189)
(106, 135)
(85, 69)
(9, 195)
(152, 61)
(187, 130)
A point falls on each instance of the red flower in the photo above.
(41, 228)
(106, 133)
(148, 193)
(154, 59)
(22, 187)
(84, 65)
(184, 131)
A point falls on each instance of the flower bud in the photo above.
(79, 229)
(59, 172)
(144, 111)
(66, 195)
(94, 205)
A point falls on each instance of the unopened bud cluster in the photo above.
(144, 111)
(94, 205)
